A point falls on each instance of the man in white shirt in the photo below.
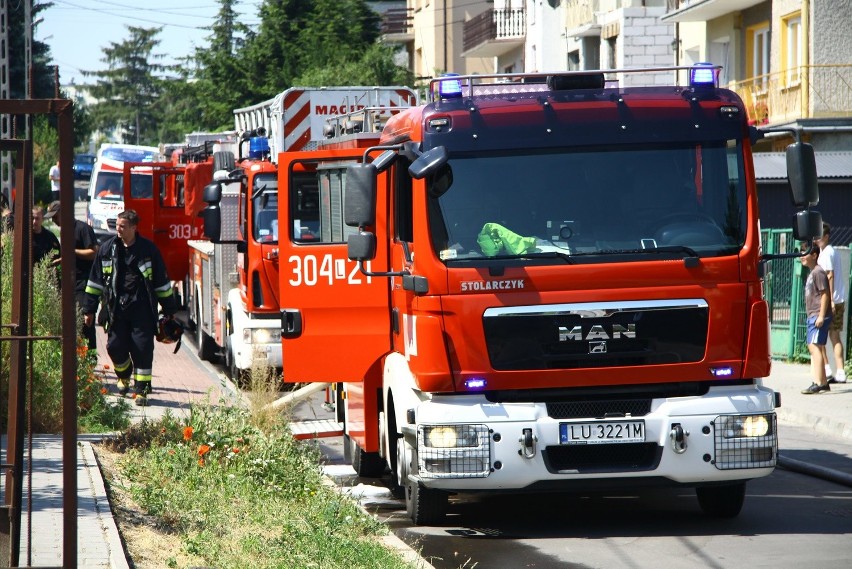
(54, 180)
(829, 260)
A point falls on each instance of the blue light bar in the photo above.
(450, 88)
(475, 383)
(703, 75)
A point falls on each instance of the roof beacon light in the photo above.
(703, 75)
(449, 88)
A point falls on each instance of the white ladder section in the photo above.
(316, 428)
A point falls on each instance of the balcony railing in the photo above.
(492, 25)
(778, 98)
(396, 21)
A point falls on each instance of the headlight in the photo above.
(738, 426)
(450, 436)
(261, 335)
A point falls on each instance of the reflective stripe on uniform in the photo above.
(122, 370)
(143, 375)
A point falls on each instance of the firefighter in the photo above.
(129, 279)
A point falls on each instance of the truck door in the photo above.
(155, 191)
(335, 320)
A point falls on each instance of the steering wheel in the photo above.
(681, 216)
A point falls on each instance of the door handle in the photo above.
(291, 323)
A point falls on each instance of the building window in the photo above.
(612, 52)
(574, 60)
(791, 48)
(757, 53)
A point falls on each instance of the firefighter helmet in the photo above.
(169, 331)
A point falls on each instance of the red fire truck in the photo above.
(542, 283)
(233, 298)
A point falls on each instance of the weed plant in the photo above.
(95, 411)
(241, 492)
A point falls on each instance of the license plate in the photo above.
(602, 433)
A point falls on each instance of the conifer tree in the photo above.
(129, 89)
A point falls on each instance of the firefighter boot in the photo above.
(141, 389)
(122, 371)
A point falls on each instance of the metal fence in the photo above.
(784, 287)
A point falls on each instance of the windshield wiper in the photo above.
(666, 249)
(521, 256)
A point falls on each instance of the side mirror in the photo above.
(384, 160)
(359, 199)
(361, 246)
(807, 225)
(801, 171)
(212, 218)
(212, 193)
(441, 181)
(428, 163)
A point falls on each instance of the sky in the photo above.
(77, 31)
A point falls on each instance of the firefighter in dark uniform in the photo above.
(129, 278)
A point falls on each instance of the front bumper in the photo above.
(687, 441)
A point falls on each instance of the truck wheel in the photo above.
(425, 506)
(223, 161)
(721, 501)
(366, 464)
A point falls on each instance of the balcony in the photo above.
(703, 10)
(397, 25)
(494, 32)
(807, 92)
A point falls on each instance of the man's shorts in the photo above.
(837, 317)
(818, 336)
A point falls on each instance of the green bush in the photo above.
(96, 413)
(245, 494)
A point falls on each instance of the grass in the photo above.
(239, 491)
(96, 414)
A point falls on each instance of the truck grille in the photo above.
(593, 335)
(598, 409)
(583, 459)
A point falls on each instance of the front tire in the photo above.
(425, 506)
(721, 501)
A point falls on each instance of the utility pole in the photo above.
(5, 119)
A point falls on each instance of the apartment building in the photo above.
(431, 34)
(791, 63)
(789, 60)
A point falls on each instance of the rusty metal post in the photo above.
(10, 541)
(22, 268)
(69, 336)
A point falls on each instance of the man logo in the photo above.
(597, 347)
(597, 332)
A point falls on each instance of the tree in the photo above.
(375, 67)
(220, 80)
(272, 57)
(127, 92)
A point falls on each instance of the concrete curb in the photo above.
(820, 424)
(117, 559)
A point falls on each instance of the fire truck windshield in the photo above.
(592, 203)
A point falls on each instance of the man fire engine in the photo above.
(542, 283)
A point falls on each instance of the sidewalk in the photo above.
(180, 379)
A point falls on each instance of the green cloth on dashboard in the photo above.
(494, 238)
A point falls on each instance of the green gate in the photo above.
(784, 293)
